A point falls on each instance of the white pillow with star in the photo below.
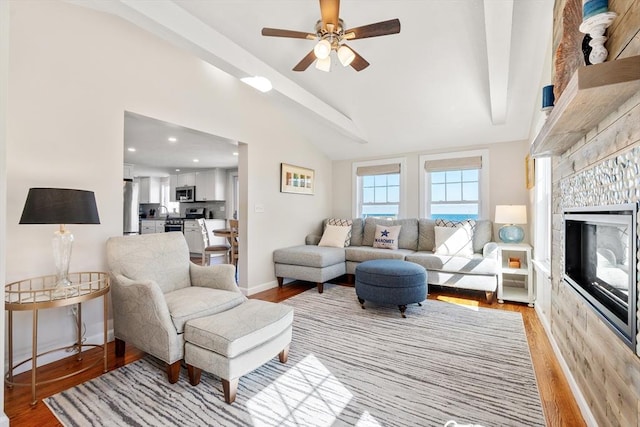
(386, 237)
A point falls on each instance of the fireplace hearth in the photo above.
(600, 263)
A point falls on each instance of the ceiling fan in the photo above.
(331, 36)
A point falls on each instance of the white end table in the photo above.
(515, 283)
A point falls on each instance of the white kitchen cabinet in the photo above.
(127, 171)
(173, 183)
(193, 236)
(210, 185)
(147, 226)
(149, 190)
(159, 226)
(187, 179)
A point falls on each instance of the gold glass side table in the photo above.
(40, 293)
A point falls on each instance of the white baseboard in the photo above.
(45, 359)
(260, 288)
(577, 393)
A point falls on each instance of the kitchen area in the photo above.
(164, 192)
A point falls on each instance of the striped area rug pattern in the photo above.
(347, 366)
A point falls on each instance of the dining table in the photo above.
(223, 232)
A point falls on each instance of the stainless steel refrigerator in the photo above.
(131, 221)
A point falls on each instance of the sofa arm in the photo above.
(312, 239)
(490, 250)
(141, 317)
(222, 276)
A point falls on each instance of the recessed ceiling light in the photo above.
(258, 82)
(131, 149)
(173, 139)
(195, 160)
(235, 153)
(177, 170)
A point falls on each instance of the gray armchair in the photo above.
(156, 289)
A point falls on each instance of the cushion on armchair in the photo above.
(156, 257)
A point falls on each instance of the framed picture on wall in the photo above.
(296, 179)
(530, 175)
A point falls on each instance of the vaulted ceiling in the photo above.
(459, 73)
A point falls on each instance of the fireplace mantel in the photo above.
(593, 92)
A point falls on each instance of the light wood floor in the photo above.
(558, 403)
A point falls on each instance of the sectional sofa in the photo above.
(416, 243)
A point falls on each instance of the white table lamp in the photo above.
(510, 215)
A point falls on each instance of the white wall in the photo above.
(4, 78)
(507, 179)
(72, 74)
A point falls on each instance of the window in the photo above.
(378, 189)
(165, 197)
(454, 194)
(381, 195)
(542, 211)
(455, 185)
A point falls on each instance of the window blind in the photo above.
(459, 163)
(378, 169)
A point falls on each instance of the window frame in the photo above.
(356, 184)
(542, 210)
(483, 181)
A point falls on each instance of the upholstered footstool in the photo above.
(233, 343)
(391, 281)
(310, 263)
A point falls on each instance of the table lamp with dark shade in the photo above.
(60, 206)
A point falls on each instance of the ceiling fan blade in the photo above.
(329, 9)
(358, 63)
(373, 30)
(306, 61)
(276, 32)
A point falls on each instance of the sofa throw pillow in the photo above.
(343, 223)
(454, 241)
(467, 222)
(386, 237)
(334, 236)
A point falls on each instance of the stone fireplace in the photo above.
(600, 263)
(602, 169)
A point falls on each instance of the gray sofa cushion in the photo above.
(408, 238)
(309, 256)
(482, 234)
(365, 253)
(357, 230)
(426, 234)
(454, 264)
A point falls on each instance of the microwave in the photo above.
(186, 194)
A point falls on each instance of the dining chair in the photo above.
(208, 249)
(233, 240)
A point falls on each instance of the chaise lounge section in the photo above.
(476, 269)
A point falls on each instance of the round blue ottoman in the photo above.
(391, 281)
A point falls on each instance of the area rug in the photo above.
(347, 366)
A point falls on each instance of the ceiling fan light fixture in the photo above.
(324, 64)
(345, 55)
(322, 49)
